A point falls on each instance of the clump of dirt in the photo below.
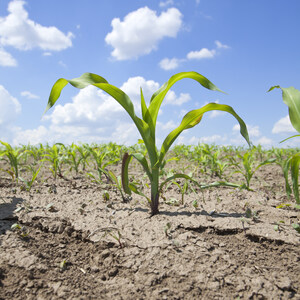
(73, 243)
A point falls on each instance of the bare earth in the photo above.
(73, 249)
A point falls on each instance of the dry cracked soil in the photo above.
(72, 243)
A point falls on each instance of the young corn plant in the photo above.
(249, 166)
(146, 125)
(13, 156)
(291, 97)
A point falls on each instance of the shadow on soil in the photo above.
(7, 208)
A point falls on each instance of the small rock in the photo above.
(69, 230)
(95, 269)
(103, 277)
(56, 286)
(284, 283)
(105, 253)
(113, 272)
(60, 228)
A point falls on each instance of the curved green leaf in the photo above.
(122, 98)
(158, 97)
(289, 138)
(125, 163)
(178, 175)
(291, 97)
(193, 117)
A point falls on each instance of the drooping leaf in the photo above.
(158, 96)
(122, 98)
(192, 118)
(291, 97)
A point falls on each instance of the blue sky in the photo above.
(243, 47)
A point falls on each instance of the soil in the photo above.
(75, 244)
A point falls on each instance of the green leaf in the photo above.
(158, 97)
(289, 138)
(178, 175)
(125, 163)
(125, 180)
(122, 98)
(193, 117)
(296, 227)
(291, 97)
(295, 160)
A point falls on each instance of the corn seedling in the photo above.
(13, 156)
(55, 157)
(73, 158)
(20, 230)
(249, 166)
(146, 125)
(34, 173)
(291, 97)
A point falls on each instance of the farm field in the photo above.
(68, 230)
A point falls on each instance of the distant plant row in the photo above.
(24, 165)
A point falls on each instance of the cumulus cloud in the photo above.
(140, 32)
(252, 130)
(264, 141)
(166, 3)
(6, 59)
(10, 107)
(204, 53)
(283, 126)
(170, 64)
(29, 95)
(221, 46)
(171, 98)
(201, 54)
(22, 33)
(213, 139)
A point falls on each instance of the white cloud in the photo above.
(18, 31)
(201, 54)
(10, 108)
(171, 98)
(47, 54)
(141, 30)
(32, 136)
(252, 130)
(166, 3)
(213, 139)
(204, 53)
(169, 64)
(221, 46)
(283, 125)
(264, 141)
(61, 63)
(132, 88)
(6, 59)
(170, 125)
(29, 95)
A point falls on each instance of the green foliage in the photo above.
(249, 166)
(13, 156)
(291, 97)
(146, 125)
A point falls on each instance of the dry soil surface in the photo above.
(75, 245)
